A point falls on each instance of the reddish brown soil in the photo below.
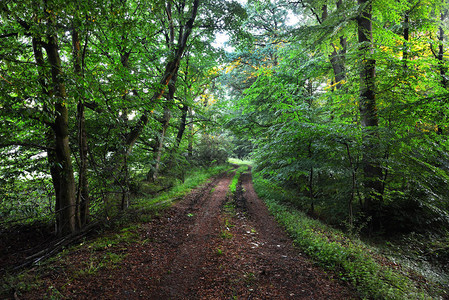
(200, 249)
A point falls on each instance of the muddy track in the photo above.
(209, 246)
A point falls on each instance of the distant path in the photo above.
(202, 249)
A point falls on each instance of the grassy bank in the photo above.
(373, 275)
(193, 179)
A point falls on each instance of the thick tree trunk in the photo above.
(66, 195)
(50, 137)
(338, 62)
(368, 115)
(60, 159)
(55, 173)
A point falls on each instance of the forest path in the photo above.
(208, 246)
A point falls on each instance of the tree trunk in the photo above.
(337, 57)
(63, 197)
(63, 160)
(191, 134)
(353, 190)
(160, 147)
(55, 173)
(182, 126)
(165, 122)
(443, 69)
(338, 61)
(368, 115)
(171, 70)
(406, 39)
(82, 197)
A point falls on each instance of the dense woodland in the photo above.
(100, 96)
(349, 108)
(343, 104)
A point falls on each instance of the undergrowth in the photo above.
(349, 258)
(194, 179)
(106, 250)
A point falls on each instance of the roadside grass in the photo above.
(229, 207)
(194, 178)
(235, 180)
(108, 248)
(243, 166)
(352, 260)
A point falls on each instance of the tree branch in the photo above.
(24, 144)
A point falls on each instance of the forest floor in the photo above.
(206, 246)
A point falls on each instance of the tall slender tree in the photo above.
(368, 112)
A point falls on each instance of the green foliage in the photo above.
(277, 95)
(219, 251)
(236, 161)
(212, 150)
(124, 49)
(193, 179)
(126, 235)
(226, 234)
(305, 129)
(37, 206)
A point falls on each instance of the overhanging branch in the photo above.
(26, 144)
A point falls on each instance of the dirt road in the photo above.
(210, 246)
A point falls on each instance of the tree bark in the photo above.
(368, 115)
(170, 39)
(160, 147)
(337, 57)
(191, 134)
(443, 69)
(82, 197)
(171, 69)
(184, 108)
(406, 39)
(310, 182)
(54, 166)
(338, 62)
(66, 195)
(182, 126)
(60, 162)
